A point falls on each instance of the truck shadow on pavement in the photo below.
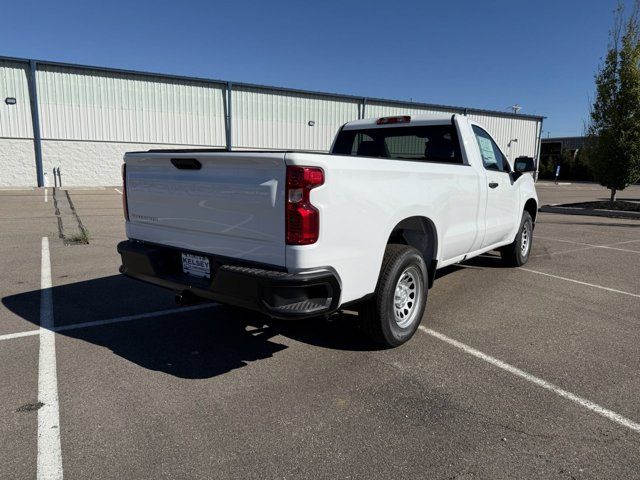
(200, 343)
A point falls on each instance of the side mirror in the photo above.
(524, 165)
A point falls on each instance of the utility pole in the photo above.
(515, 108)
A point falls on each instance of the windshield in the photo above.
(427, 143)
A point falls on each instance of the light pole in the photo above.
(516, 108)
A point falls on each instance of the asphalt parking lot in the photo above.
(515, 373)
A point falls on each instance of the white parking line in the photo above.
(49, 452)
(627, 241)
(27, 333)
(46, 199)
(118, 191)
(573, 250)
(583, 402)
(579, 282)
(130, 318)
(109, 321)
(565, 241)
(608, 247)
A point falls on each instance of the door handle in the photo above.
(186, 163)
(493, 184)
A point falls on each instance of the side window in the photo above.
(492, 157)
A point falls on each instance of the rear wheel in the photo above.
(517, 253)
(392, 316)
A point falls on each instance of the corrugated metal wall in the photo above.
(517, 137)
(84, 109)
(15, 120)
(523, 131)
(78, 104)
(264, 118)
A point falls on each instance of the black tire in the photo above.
(517, 253)
(378, 315)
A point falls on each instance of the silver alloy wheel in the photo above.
(525, 240)
(407, 296)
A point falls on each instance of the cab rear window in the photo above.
(427, 143)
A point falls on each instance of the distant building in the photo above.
(563, 151)
(557, 145)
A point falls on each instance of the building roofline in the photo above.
(558, 139)
(446, 108)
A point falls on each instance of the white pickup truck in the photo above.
(364, 227)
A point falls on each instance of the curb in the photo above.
(589, 211)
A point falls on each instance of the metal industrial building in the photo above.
(81, 119)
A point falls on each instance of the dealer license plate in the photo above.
(196, 265)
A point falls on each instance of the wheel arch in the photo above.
(421, 233)
(531, 206)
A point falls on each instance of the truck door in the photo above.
(501, 195)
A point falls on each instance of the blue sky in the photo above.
(489, 54)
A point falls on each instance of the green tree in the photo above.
(614, 128)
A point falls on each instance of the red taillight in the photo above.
(302, 218)
(400, 119)
(125, 206)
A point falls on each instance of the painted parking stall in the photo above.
(536, 365)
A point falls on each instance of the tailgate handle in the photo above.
(186, 163)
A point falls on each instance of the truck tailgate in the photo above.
(222, 203)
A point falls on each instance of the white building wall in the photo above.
(15, 120)
(78, 104)
(90, 163)
(271, 119)
(90, 117)
(379, 109)
(17, 158)
(17, 163)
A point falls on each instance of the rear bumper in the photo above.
(276, 293)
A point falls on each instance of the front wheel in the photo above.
(517, 253)
(392, 316)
